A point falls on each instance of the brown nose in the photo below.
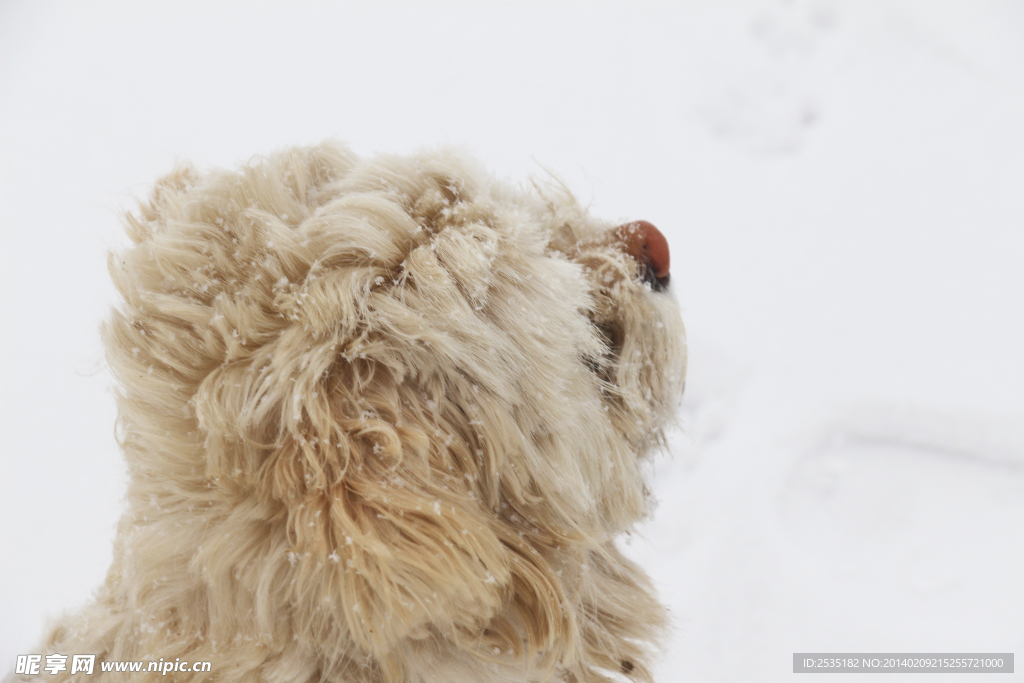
(646, 244)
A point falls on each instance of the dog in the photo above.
(383, 421)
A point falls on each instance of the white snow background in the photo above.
(842, 186)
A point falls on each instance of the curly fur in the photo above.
(383, 421)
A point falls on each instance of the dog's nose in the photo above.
(646, 244)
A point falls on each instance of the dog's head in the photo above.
(400, 400)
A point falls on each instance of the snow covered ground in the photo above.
(842, 185)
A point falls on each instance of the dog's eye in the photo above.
(612, 342)
(611, 337)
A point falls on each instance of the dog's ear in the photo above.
(383, 523)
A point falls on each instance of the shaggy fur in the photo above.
(383, 421)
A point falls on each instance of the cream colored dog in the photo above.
(383, 421)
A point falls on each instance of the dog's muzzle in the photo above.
(648, 246)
